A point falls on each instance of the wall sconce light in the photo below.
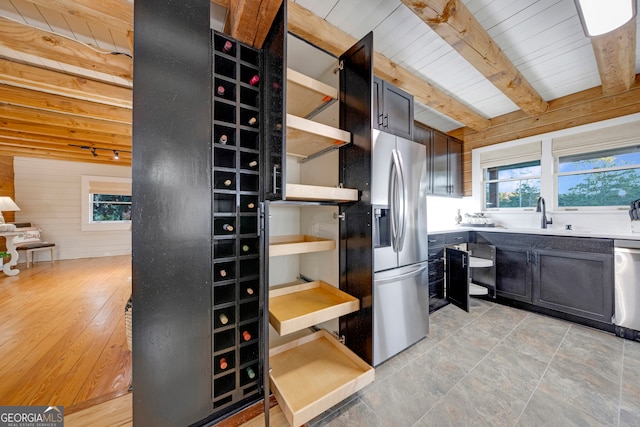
(116, 156)
(7, 204)
(600, 17)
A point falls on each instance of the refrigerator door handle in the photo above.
(393, 201)
(403, 276)
(404, 200)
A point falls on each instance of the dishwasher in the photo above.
(627, 288)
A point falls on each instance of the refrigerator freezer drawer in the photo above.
(400, 310)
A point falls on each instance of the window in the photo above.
(602, 178)
(106, 203)
(512, 186)
(110, 207)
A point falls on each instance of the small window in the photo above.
(110, 207)
(512, 186)
(106, 203)
(599, 179)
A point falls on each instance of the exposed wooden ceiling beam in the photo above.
(452, 21)
(49, 154)
(616, 58)
(51, 130)
(112, 13)
(32, 139)
(41, 79)
(250, 20)
(577, 109)
(56, 103)
(71, 150)
(34, 41)
(75, 123)
(321, 33)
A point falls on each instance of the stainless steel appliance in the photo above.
(401, 290)
(627, 288)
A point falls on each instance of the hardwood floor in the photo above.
(62, 333)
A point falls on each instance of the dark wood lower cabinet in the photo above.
(575, 283)
(457, 277)
(569, 277)
(513, 273)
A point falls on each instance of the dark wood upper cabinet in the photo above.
(392, 109)
(440, 152)
(444, 161)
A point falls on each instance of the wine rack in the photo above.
(236, 367)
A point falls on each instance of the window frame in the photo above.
(486, 181)
(596, 209)
(87, 223)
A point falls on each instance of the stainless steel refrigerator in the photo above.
(400, 288)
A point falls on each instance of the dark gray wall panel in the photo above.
(172, 209)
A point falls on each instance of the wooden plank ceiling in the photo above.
(486, 71)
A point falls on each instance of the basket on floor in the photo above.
(127, 321)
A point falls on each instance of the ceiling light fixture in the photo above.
(94, 150)
(600, 17)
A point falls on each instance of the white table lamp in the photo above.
(7, 204)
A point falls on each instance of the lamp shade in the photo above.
(7, 204)
(600, 17)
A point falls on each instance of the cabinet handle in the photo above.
(385, 121)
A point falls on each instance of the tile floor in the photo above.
(499, 366)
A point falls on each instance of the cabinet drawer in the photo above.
(435, 253)
(436, 271)
(456, 238)
(435, 240)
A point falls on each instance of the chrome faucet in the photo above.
(542, 207)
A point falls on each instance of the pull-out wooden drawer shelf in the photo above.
(306, 95)
(306, 137)
(301, 305)
(316, 193)
(299, 244)
(314, 373)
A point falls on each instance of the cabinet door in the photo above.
(454, 148)
(423, 135)
(398, 111)
(356, 78)
(356, 278)
(274, 111)
(457, 278)
(575, 283)
(378, 108)
(513, 273)
(440, 161)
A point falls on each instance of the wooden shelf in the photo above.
(314, 373)
(475, 262)
(306, 96)
(306, 137)
(300, 305)
(299, 244)
(317, 193)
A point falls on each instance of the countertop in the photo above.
(546, 232)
